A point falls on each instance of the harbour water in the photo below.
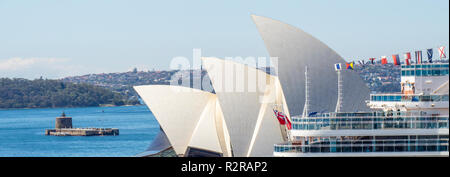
(22, 132)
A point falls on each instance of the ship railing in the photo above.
(394, 97)
(420, 145)
(439, 64)
(370, 123)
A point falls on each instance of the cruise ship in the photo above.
(240, 118)
(414, 122)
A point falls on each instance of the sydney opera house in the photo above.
(240, 122)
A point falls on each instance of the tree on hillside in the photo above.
(40, 93)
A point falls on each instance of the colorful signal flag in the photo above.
(396, 59)
(408, 55)
(442, 52)
(384, 60)
(418, 57)
(337, 66)
(349, 65)
(430, 55)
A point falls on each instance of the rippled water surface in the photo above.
(22, 132)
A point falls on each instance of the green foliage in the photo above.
(40, 93)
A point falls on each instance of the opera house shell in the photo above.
(228, 123)
(296, 49)
(238, 118)
(191, 120)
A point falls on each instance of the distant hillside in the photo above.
(124, 82)
(379, 78)
(40, 93)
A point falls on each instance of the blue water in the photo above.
(22, 132)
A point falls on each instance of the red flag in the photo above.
(280, 118)
(407, 55)
(407, 61)
(383, 60)
(396, 59)
(283, 119)
(371, 59)
(289, 124)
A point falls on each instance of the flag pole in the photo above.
(339, 99)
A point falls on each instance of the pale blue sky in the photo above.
(55, 38)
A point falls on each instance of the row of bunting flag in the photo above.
(396, 58)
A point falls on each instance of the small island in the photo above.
(63, 127)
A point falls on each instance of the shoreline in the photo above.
(100, 106)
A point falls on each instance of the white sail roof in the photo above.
(248, 111)
(205, 133)
(187, 116)
(296, 49)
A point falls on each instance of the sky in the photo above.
(59, 38)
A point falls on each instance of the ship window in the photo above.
(436, 98)
(391, 98)
(418, 73)
(406, 98)
(429, 72)
(403, 73)
(408, 73)
(436, 72)
(444, 97)
(424, 73)
(426, 98)
(412, 72)
(388, 149)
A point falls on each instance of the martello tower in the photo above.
(63, 122)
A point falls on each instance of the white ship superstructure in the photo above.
(414, 122)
